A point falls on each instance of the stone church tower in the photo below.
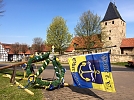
(114, 29)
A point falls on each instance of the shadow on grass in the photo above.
(84, 91)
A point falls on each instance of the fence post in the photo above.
(12, 80)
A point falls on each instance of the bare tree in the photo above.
(38, 44)
(24, 48)
(88, 26)
(15, 48)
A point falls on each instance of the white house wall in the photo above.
(17, 57)
(3, 54)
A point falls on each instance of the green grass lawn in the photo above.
(8, 91)
(120, 63)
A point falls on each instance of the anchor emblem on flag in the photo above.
(87, 71)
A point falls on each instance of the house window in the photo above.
(7, 50)
(105, 23)
(109, 38)
(112, 22)
(110, 31)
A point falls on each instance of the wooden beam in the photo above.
(12, 80)
(9, 66)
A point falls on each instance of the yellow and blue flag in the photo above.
(92, 71)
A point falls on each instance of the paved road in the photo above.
(123, 79)
(50, 66)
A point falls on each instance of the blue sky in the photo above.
(24, 20)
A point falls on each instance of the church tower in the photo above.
(114, 28)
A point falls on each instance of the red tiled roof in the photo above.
(27, 52)
(80, 42)
(127, 42)
(46, 48)
(8, 46)
(70, 48)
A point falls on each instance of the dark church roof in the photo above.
(112, 13)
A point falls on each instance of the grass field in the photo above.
(8, 91)
(120, 63)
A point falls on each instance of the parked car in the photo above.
(131, 63)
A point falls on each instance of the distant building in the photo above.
(3, 53)
(7, 54)
(115, 30)
(78, 43)
(127, 46)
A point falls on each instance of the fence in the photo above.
(12, 80)
(113, 58)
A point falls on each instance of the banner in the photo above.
(92, 71)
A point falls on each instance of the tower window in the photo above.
(110, 31)
(122, 31)
(105, 23)
(109, 38)
(112, 22)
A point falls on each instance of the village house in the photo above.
(78, 45)
(7, 54)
